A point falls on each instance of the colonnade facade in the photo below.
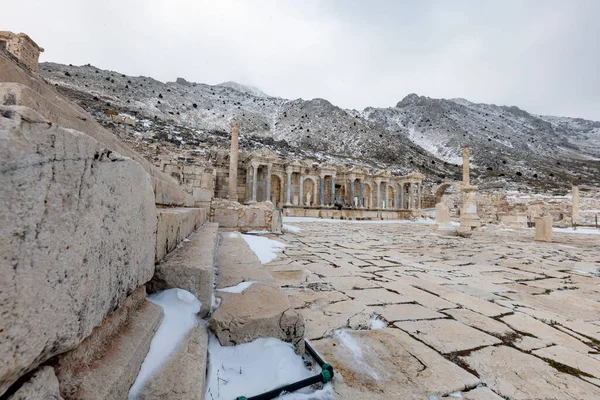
(302, 183)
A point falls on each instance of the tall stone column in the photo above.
(332, 190)
(233, 162)
(402, 196)
(419, 196)
(361, 200)
(411, 196)
(378, 183)
(466, 174)
(314, 194)
(248, 184)
(352, 193)
(575, 205)
(322, 197)
(288, 201)
(268, 189)
(301, 197)
(254, 181)
(387, 188)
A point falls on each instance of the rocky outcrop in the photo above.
(73, 245)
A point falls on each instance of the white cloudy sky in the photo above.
(543, 56)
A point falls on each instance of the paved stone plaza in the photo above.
(493, 316)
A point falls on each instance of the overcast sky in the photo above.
(543, 56)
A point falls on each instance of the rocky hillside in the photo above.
(511, 148)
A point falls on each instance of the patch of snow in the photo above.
(589, 231)
(291, 228)
(258, 232)
(376, 323)
(457, 395)
(239, 288)
(265, 249)
(353, 347)
(348, 221)
(253, 368)
(234, 235)
(180, 308)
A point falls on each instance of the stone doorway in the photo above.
(276, 193)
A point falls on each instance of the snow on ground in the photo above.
(265, 249)
(349, 221)
(253, 368)
(376, 323)
(239, 288)
(180, 308)
(291, 228)
(589, 231)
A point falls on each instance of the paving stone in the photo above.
(446, 335)
(480, 322)
(307, 298)
(389, 364)
(481, 393)
(406, 312)
(571, 358)
(377, 296)
(351, 282)
(521, 376)
(323, 321)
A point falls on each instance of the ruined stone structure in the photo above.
(469, 219)
(22, 47)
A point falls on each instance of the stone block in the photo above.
(174, 225)
(543, 229)
(184, 375)
(259, 311)
(226, 218)
(191, 267)
(203, 195)
(277, 221)
(253, 218)
(73, 241)
(105, 364)
(42, 385)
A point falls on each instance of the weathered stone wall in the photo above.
(73, 244)
(254, 217)
(197, 180)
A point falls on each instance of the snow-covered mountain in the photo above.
(510, 147)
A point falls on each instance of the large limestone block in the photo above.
(543, 229)
(516, 375)
(77, 226)
(259, 311)
(389, 364)
(191, 267)
(184, 375)
(106, 363)
(42, 385)
(174, 225)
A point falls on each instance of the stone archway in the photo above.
(441, 190)
(275, 195)
(367, 198)
(308, 191)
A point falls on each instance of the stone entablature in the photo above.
(304, 183)
(22, 47)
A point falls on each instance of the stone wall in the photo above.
(255, 217)
(197, 180)
(80, 233)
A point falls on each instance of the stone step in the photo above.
(191, 267)
(261, 310)
(174, 225)
(106, 363)
(183, 376)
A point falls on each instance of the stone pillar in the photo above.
(332, 190)
(378, 183)
(315, 192)
(301, 196)
(543, 229)
(387, 195)
(466, 175)
(418, 196)
(288, 201)
(410, 196)
(254, 181)
(361, 189)
(233, 162)
(268, 185)
(402, 195)
(352, 192)
(248, 184)
(575, 206)
(322, 197)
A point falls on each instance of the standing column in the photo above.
(361, 200)
(411, 195)
(465, 157)
(301, 197)
(248, 193)
(419, 196)
(387, 188)
(402, 195)
(268, 190)
(289, 186)
(352, 193)
(254, 181)
(315, 192)
(233, 162)
(575, 206)
(322, 197)
(397, 198)
(378, 183)
(332, 190)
